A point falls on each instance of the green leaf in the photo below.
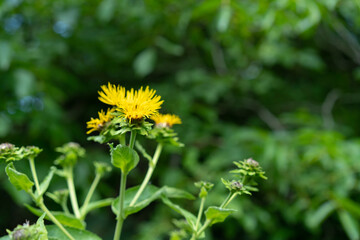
(18, 179)
(63, 218)
(216, 214)
(349, 224)
(45, 183)
(5, 238)
(54, 233)
(171, 192)
(150, 194)
(124, 157)
(145, 62)
(99, 204)
(314, 219)
(190, 218)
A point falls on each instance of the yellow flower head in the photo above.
(111, 94)
(133, 104)
(96, 124)
(166, 120)
(140, 104)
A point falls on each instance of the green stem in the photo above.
(226, 199)
(206, 224)
(149, 173)
(132, 138)
(33, 171)
(54, 220)
(201, 209)
(40, 202)
(72, 193)
(120, 216)
(230, 199)
(122, 139)
(89, 195)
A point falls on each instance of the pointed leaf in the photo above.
(190, 218)
(216, 214)
(170, 192)
(124, 157)
(65, 219)
(18, 179)
(149, 194)
(45, 183)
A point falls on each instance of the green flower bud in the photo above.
(101, 168)
(70, 154)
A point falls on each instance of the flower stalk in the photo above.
(152, 165)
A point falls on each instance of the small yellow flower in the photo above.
(166, 120)
(111, 94)
(96, 124)
(140, 104)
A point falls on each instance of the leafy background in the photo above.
(274, 80)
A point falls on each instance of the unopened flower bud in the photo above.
(6, 146)
(252, 162)
(236, 185)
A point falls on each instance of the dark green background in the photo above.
(274, 80)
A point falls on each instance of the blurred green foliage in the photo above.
(274, 80)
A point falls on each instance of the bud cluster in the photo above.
(9, 152)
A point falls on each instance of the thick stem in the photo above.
(120, 216)
(149, 173)
(89, 195)
(72, 193)
(33, 171)
(132, 138)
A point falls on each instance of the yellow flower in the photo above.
(140, 104)
(96, 124)
(133, 104)
(166, 120)
(111, 94)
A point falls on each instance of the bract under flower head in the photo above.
(140, 104)
(111, 94)
(96, 124)
(166, 120)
